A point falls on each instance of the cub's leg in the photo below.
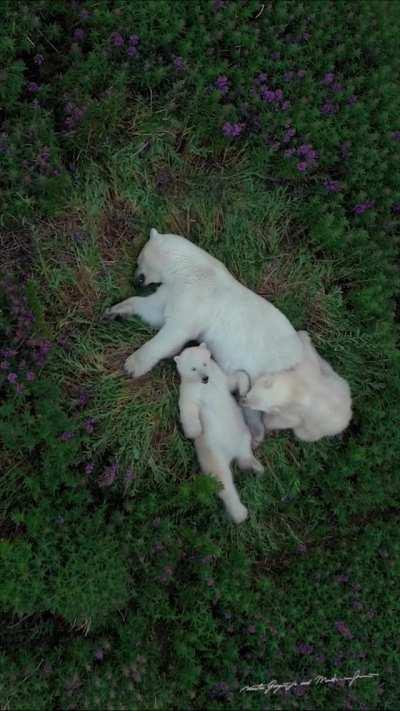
(254, 421)
(216, 465)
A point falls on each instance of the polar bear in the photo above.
(198, 299)
(211, 416)
(310, 398)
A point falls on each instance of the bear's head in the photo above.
(194, 364)
(150, 262)
(270, 392)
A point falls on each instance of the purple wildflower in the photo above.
(261, 78)
(89, 425)
(232, 130)
(343, 629)
(301, 548)
(267, 94)
(134, 39)
(275, 55)
(66, 436)
(33, 87)
(289, 133)
(30, 375)
(38, 59)
(286, 105)
(179, 64)
(395, 208)
(4, 365)
(132, 51)
(222, 84)
(12, 377)
(337, 87)
(362, 207)
(329, 108)
(306, 36)
(328, 78)
(302, 166)
(332, 186)
(352, 100)
(301, 73)
(342, 579)
(219, 4)
(79, 35)
(117, 40)
(278, 94)
(98, 655)
(395, 135)
(304, 648)
(89, 468)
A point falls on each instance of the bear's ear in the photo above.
(153, 233)
(203, 345)
(176, 359)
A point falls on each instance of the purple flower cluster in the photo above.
(74, 115)
(38, 59)
(343, 629)
(89, 425)
(179, 64)
(133, 45)
(33, 87)
(118, 40)
(308, 157)
(332, 186)
(222, 84)
(329, 108)
(304, 648)
(395, 135)
(395, 209)
(79, 35)
(232, 130)
(362, 207)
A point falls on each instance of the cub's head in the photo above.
(150, 262)
(270, 392)
(194, 364)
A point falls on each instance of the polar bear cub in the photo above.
(211, 417)
(310, 398)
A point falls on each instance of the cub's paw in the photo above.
(239, 514)
(192, 432)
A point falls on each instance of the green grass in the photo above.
(139, 592)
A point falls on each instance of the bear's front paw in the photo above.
(134, 367)
(109, 314)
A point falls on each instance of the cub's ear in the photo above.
(153, 233)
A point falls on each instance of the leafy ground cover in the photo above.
(269, 134)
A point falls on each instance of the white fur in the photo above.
(310, 398)
(199, 299)
(211, 416)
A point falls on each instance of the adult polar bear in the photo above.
(198, 299)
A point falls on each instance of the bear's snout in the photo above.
(204, 379)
